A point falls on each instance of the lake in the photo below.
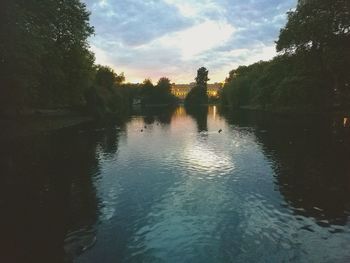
(167, 186)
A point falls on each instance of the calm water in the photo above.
(268, 188)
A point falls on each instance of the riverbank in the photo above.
(26, 126)
(291, 110)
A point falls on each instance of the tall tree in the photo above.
(202, 79)
(164, 85)
(320, 29)
(21, 48)
(45, 58)
(198, 94)
(105, 76)
(67, 29)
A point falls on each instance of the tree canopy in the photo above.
(158, 94)
(164, 85)
(198, 94)
(45, 59)
(312, 70)
(321, 28)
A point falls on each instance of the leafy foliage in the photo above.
(45, 59)
(321, 28)
(159, 94)
(106, 96)
(312, 70)
(198, 94)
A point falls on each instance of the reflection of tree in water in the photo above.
(165, 117)
(200, 115)
(108, 140)
(149, 119)
(310, 156)
(82, 232)
(48, 190)
(158, 114)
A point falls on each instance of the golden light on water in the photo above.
(212, 111)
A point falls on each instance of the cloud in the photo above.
(199, 38)
(135, 22)
(173, 38)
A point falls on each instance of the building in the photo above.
(213, 89)
(181, 90)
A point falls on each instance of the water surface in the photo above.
(166, 186)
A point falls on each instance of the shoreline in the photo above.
(34, 125)
(290, 110)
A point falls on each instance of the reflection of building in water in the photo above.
(181, 90)
(179, 112)
(212, 111)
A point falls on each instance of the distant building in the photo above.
(213, 89)
(181, 90)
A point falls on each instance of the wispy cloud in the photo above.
(175, 37)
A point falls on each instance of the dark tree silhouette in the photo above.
(202, 79)
(198, 95)
(322, 28)
(45, 59)
(106, 95)
(159, 94)
(312, 71)
(105, 76)
(164, 85)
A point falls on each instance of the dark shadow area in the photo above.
(48, 198)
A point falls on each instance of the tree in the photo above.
(315, 25)
(147, 84)
(202, 79)
(321, 30)
(147, 87)
(105, 76)
(120, 78)
(106, 96)
(198, 94)
(312, 70)
(164, 85)
(45, 59)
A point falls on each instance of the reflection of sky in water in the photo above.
(268, 188)
(173, 194)
(203, 159)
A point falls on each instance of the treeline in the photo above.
(312, 70)
(159, 94)
(105, 96)
(45, 62)
(109, 95)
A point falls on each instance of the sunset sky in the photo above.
(173, 38)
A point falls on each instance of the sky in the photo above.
(173, 38)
